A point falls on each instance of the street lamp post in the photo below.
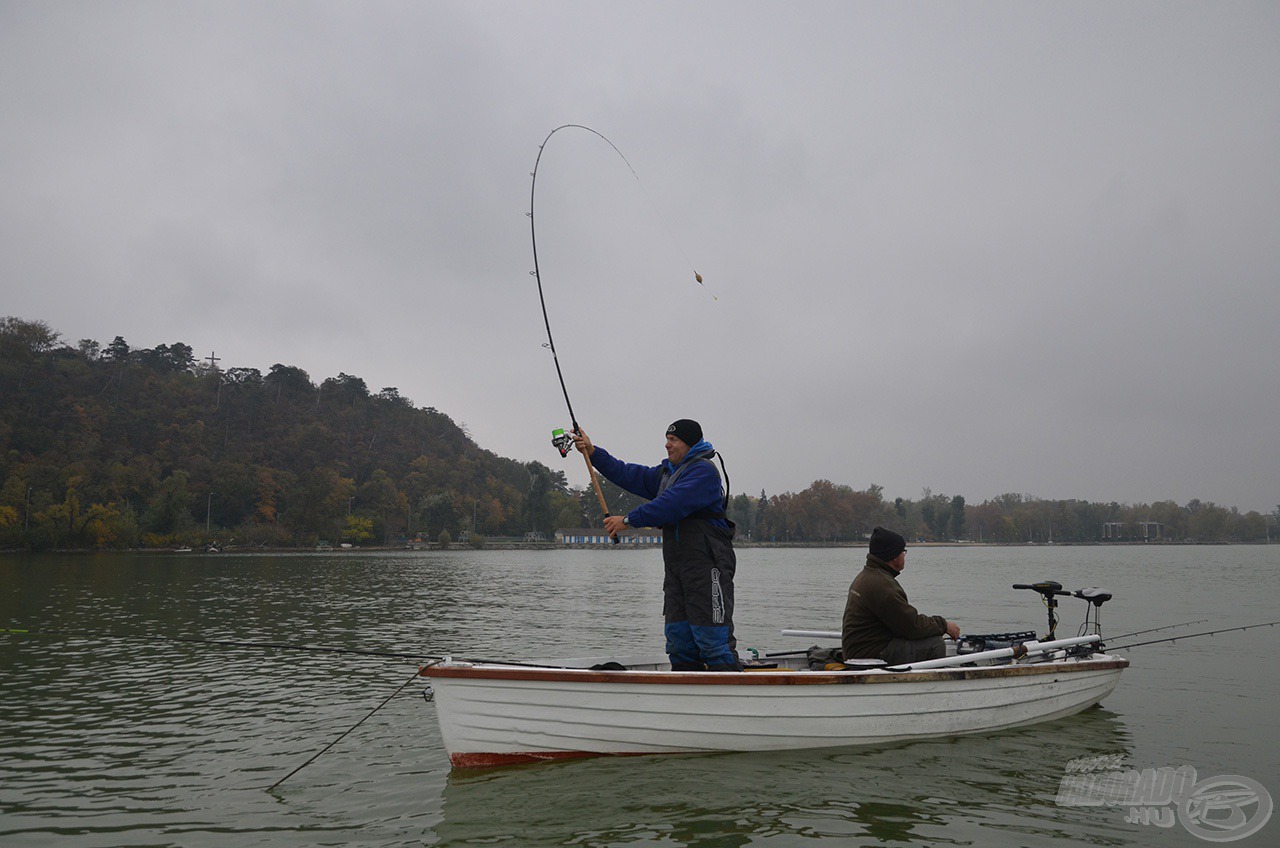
(208, 513)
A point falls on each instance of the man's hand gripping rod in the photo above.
(562, 442)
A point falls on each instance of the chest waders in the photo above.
(697, 587)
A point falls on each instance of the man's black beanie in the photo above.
(886, 544)
(687, 431)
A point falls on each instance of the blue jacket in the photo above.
(696, 490)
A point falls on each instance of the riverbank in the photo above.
(558, 546)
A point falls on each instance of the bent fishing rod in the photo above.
(557, 439)
(551, 342)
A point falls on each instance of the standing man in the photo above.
(687, 501)
(879, 623)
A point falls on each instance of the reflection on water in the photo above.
(140, 741)
(968, 790)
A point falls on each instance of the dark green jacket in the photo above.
(877, 611)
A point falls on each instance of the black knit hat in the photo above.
(687, 431)
(886, 544)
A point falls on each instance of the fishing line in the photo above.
(223, 643)
(347, 732)
(269, 646)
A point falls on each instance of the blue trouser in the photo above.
(693, 648)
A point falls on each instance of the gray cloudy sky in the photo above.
(978, 247)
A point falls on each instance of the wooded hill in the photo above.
(119, 447)
(115, 447)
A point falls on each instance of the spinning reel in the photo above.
(561, 441)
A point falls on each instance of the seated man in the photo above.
(878, 621)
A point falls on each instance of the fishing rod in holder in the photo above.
(1194, 635)
(1159, 629)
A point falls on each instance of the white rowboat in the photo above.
(494, 713)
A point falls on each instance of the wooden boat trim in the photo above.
(768, 677)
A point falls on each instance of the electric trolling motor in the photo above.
(1092, 596)
(1050, 591)
(1092, 613)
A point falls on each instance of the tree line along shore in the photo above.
(115, 447)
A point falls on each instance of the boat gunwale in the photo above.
(770, 677)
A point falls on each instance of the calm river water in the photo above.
(108, 741)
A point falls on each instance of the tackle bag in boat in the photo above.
(825, 659)
(972, 643)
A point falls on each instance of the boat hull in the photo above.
(494, 714)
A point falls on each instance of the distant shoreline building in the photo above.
(595, 536)
(1139, 531)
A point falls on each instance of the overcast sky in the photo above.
(976, 247)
